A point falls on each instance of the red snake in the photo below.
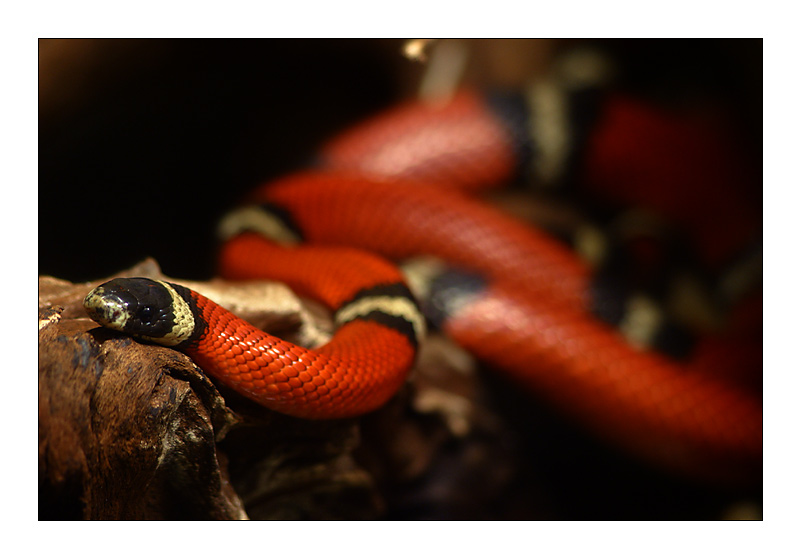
(395, 187)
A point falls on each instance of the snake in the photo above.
(406, 183)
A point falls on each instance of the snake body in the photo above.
(397, 187)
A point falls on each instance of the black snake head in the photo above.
(142, 307)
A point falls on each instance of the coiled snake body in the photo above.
(392, 189)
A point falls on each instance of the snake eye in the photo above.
(146, 315)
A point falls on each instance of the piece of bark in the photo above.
(126, 431)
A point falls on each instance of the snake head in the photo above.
(148, 309)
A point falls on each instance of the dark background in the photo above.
(143, 144)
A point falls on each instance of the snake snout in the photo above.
(106, 309)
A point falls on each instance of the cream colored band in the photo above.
(549, 129)
(394, 306)
(255, 218)
(642, 320)
(183, 325)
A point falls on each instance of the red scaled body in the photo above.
(389, 187)
(356, 372)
